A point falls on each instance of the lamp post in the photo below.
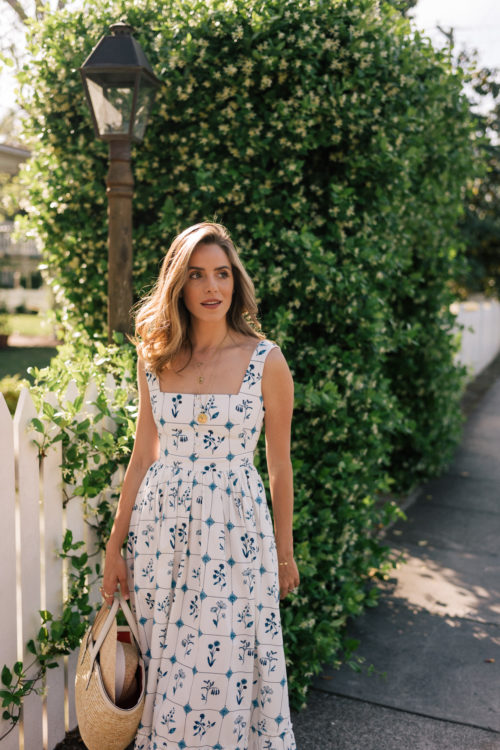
(120, 87)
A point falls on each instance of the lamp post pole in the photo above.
(120, 88)
(120, 190)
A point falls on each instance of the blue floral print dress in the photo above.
(203, 578)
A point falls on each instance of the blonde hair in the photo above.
(162, 320)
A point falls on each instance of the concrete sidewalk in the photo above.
(436, 632)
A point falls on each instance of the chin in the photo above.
(213, 317)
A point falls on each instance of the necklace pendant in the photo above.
(201, 379)
(202, 417)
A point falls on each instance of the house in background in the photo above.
(21, 283)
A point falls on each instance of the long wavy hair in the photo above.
(162, 319)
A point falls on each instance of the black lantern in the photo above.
(120, 86)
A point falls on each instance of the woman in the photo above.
(204, 568)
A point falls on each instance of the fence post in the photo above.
(73, 520)
(30, 579)
(52, 526)
(8, 589)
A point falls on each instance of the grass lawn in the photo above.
(16, 359)
(30, 325)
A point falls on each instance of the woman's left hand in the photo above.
(288, 576)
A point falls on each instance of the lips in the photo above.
(212, 303)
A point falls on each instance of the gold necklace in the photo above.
(203, 414)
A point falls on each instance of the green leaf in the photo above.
(48, 409)
(37, 424)
(6, 676)
(68, 540)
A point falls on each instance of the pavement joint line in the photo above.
(418, 609)
(472, 476)
(445, 548)
(466, 478)
(399, 546)
(436, 613)
(469, 619)
(407, 711)
(436, 503)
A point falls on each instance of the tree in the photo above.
(16, 18)
(481, 222)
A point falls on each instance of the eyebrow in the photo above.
(200, 268)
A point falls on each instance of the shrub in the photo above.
(335, 144)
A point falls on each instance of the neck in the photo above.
(205, 336)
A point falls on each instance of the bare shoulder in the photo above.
(142, 368)
(277, 381)
(276, 363)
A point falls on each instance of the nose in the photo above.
(211, 283)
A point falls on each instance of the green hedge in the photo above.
(336, 146)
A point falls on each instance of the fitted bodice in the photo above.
(228, 439)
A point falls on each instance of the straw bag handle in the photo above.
(119, 601)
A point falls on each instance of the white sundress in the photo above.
(203, 578)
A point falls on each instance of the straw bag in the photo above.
(110, 682)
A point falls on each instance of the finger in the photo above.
(124, 588)
(108, 594)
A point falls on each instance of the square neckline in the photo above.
(180, 393)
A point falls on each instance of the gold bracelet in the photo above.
(283, 563)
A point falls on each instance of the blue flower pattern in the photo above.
(203, 576)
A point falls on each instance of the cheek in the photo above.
(188, 295)
(191, 289)
(229, 287)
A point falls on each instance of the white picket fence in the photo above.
(32, 527)
(480, 342)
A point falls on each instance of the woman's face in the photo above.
(208, 291)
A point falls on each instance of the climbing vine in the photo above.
(90, 457)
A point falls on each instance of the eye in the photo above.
(193, 274)
(224, 274)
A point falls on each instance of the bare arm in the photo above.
(145, 451)
(277, 391)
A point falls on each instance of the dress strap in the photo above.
(252, 381)
(152, 379)
(153, 386)
(263, 349)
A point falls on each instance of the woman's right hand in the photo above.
(115, 575)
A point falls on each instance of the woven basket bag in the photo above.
(104, 724)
